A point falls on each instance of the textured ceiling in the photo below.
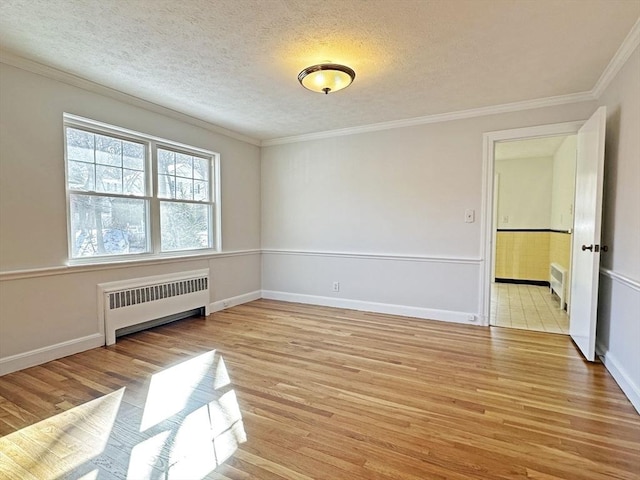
(234, 63)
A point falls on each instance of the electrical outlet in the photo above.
(336, 286)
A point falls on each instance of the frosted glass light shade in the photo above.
(326, 77)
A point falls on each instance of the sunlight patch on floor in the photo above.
(190, 424)
(170, 390)
(67, 440)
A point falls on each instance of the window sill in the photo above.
(139, 258)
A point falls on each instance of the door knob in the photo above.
(584, 247)
(604, 248)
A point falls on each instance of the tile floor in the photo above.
(527, 307)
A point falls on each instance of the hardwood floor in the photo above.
(272, 390)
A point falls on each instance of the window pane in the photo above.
(200, 168)
(184, 165)
(184, 188)
(183, 177)
(166, 186)
(108, 151)
(80, 145)
(133, 156)
(132, 182)
(184, 226)
(107, 226)
(166, 162)
(81, 176)
(108, 179)
(107, 175)
(200, 191)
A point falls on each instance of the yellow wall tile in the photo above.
(523, 255)
(560, 249)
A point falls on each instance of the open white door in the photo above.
(586, 233)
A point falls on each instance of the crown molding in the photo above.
(438, 118)
(628, 46)
(22, 63)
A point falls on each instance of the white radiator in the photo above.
(139, 300)
(558, 282)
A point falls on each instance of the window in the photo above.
(132, 194)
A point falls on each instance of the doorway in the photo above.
(534, 181)
(585, 245)
(526, 232)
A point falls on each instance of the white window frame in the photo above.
(153, 226)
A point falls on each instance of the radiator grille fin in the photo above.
(151, 293)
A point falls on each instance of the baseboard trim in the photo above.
(387, 308)
(629, 388)
(518, 281)
(233, 301)
(39, 356)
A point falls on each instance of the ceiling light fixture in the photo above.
(326, 77)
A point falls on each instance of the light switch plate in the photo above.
(469, 215)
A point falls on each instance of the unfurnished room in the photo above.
(341, 240)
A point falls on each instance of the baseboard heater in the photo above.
(144, 302)
(558, 282)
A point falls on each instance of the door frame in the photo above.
(487, 237)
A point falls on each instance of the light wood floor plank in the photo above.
(271, 390)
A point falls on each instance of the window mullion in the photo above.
(155, 202)
(106, 194)
(216, 198)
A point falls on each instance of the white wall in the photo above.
(376, 198)
(538, 192)
(564, 180)
(46, 306)
(524, 196)
(619, 301)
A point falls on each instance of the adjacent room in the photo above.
(533, 218)
(272, 239)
